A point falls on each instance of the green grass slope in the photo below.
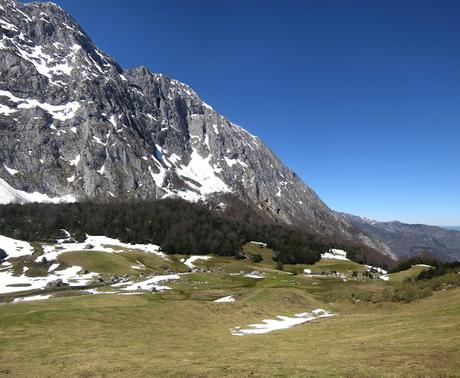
(182, 333)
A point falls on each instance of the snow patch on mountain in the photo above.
(201, 171)
(59, 112)
(8, 194)
(11, 171)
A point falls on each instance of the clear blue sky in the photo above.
(360, 98)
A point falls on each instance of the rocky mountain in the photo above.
(455, 228)
(412, 239)
(74, 126)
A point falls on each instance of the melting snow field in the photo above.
(97, 243)
(11, 284)
(282, 322)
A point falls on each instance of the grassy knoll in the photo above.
(326, 265)
(407, 274)
(120, 263)
(233, 265)
(183, 333)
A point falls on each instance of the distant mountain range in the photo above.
(412, 239)
(454, 228)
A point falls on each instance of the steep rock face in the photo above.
(74, 123)
(403, 239)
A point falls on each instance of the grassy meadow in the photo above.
(182, 332)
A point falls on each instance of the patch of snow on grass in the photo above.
(375, 269)
(97, 243)
(134, 293)
(38, 297)
(138, 266)
(227, 299)
(259, 243)
(282, 322)
(15, 248)
(95, 292)
(255, 274)
(336, 254)
(189, 262)
(53, 267)
(10, 283)
(423, 265)
(149, 284)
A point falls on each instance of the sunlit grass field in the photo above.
(183, 332)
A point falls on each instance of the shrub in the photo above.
(410, 292)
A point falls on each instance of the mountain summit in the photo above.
(75, 126)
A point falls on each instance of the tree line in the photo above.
(176, 225)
